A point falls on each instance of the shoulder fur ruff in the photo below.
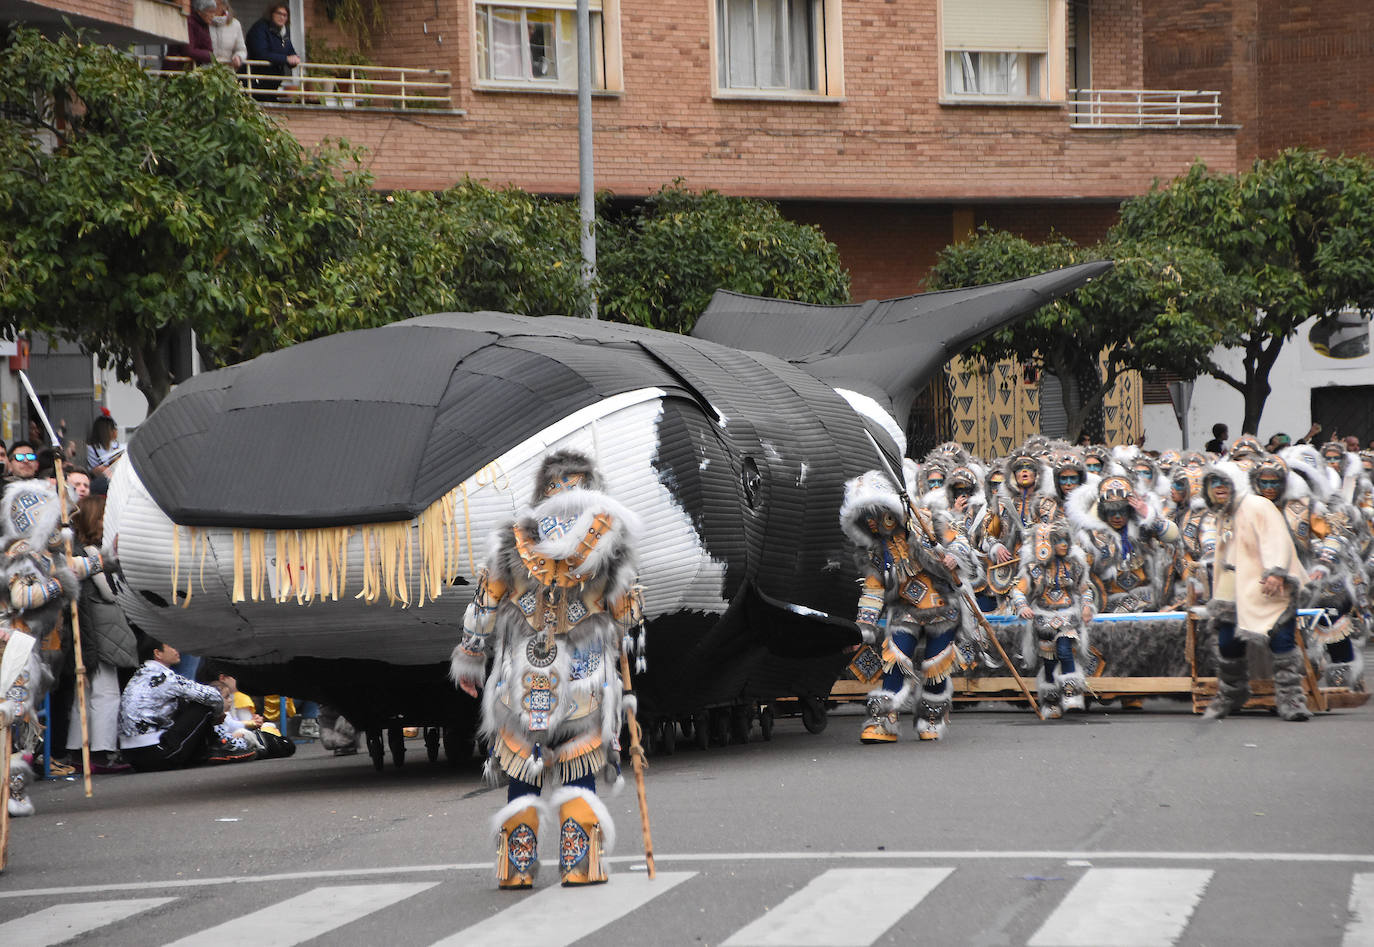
(1081, 509)
(616, 545)
(869, 491)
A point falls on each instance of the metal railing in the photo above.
(1143, 108)
(332, 85)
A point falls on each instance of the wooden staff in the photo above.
(76, 619)
(639, 763)
(4, 793)
(1310, 675)
(76, 633)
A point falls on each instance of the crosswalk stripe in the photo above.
(64, 921)
(843, 907)
(558, 915)
(1125, 907)
(305, 916)
(1359, 932)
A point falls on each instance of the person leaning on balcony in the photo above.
(269, 40)
(226, 33)
(198, 48)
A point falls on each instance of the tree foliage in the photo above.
(660, 264)
(132, 206)
(1156, 309)
(1293, 236)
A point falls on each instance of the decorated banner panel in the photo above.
(997, 409)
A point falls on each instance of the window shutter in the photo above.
(1004, 26)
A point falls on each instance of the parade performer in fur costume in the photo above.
(1124, 537)
(554, 606)
(1255, 580)
(1326, 532)
(40, 585)
(1055, 597)
(905, 580)
(1025, 497)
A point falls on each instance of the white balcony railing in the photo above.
(1143, 108)
(333, 85)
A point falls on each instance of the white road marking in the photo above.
(1323, 858)
(558, 915)
(1359, 932)
(1125, 907)
(305, 916)
(843, 907)
(62, 922)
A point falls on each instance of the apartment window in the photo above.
(778, 46)
(535, 47)
(998, 49)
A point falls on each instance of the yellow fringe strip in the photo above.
(582, 761)
(938, 668)
(516, 762)
(406, 562)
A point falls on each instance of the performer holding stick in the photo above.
(553, 606)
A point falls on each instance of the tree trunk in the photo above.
(152, 375)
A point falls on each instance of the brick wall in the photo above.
(888, 139)
(1290, 73)
(1115, 41)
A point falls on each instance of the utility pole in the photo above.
(586, 193)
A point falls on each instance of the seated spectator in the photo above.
(244, 727)
(166, 721)
(198, 48)
(23, 461)
(269, 40)
(226, 34)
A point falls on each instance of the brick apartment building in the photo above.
(897, 126)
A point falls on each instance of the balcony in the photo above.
(335, 85)
(1144, 108)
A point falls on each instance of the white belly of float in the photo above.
(621, 432)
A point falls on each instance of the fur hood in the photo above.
(871, 491)
(1308, 475)
(1240, 481)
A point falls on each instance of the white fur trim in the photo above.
(566, 793)
(864, 492)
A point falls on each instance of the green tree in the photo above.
(1294, 237)
(468, 248)
(1156, 309)
(660, 263)
(132, 207)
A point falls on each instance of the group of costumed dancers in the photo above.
(1055, 534)
(1052, 535)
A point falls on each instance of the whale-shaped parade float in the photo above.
(315, 518)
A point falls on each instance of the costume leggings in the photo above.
(905, 642)
(1063, 656)
(516, 789)
(1281, 640)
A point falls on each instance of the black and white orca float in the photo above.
(315, 518)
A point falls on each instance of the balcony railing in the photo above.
(1143, 108)
(333, 85)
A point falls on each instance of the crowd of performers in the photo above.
(1055, 534)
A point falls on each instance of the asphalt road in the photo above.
(1109, 828)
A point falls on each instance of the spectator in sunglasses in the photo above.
(23, 461)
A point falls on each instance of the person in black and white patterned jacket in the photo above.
(167, 721)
